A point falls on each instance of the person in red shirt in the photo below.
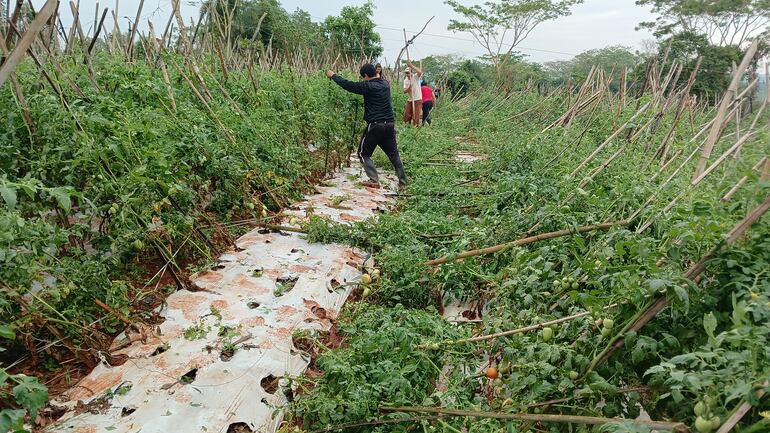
(428, 101)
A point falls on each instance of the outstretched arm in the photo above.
(419, 71)
(358, 88)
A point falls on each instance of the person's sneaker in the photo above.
(371, 184)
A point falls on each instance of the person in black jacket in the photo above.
(380, 122)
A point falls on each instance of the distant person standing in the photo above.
(413, 108)
(380, 122)
(378, 71)
(428, 101)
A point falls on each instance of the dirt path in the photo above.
(216, 363)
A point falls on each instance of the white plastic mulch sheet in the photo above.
(469, 157)
(188, 378)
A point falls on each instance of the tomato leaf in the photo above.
(710, 325)
(7, 332)
(62, 197)
(31, 394)
(9, 196)
(12, 420)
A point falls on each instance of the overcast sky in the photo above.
(594, 24)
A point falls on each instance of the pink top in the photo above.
(427, 93)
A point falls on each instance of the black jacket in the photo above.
(377, 106)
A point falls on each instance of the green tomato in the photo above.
(703, 425)
(556, 284)
(608, 323)
(574, 375)
(547, 334)
(606, 332)
(575, 285)
(710, 401)
(715, 422)
(138, 245)
(700, 408)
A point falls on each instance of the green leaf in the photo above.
(739, 311)
(710, 325)
(30, 394)
(62, 196)
(3, 376)
(9, 196)
(12, 420)
(681, 293)
(7, 332)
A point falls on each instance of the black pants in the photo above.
(426, 107)
(383, 135)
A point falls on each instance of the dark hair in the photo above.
(368, 70)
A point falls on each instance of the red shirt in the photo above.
(427, 93)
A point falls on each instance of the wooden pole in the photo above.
(744, 179)
(610, 138)
(514, 331)
(569, 419)
(411, 81)
(524, 241)
(26, 41)
(130, 44)
(692, 274)
(727, 99)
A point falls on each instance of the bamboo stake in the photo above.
(214, 116)
(692, 274)
(350, 425)
(523, 241)
(19, 92)
(411, 80)
(663, 149)
(53, 84)
(26, 41)
(729, 96)
(743, 180)
(741, 410)
(130, 43)
(610, 138)
(522, 330)
(734, 148)
(569, 419)
(98, 30)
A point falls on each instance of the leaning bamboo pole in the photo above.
(609, 139)
(523, 241)
(554, 418)
(729, 195)
(727, 99)
(692, 274)
(15, 57)
(521, 330)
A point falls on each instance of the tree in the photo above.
(499, 27)
(353, 31)
(611, 59)
(714, 73)
(724, 22)
(469, 75)
(264, 22)
(436, 67)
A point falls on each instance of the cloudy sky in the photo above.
(594, 24)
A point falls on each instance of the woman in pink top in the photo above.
(427, 102)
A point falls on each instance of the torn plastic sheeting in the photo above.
(178, 380)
